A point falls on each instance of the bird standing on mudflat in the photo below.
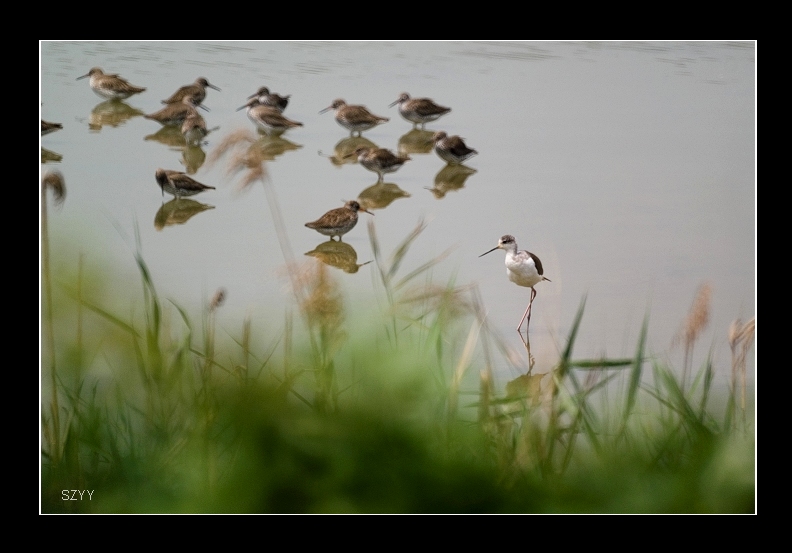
(419, 111)
(354, 118)
(523, 268)
(110, 86)
(339, 221)
(379, 160)
(179, 184)
(197, 90)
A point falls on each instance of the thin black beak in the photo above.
(492, 250)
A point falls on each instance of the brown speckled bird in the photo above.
(452, 149)
(419, 111)
(175, 114)
(271, 99)
(268, 119)
(339, 221)
(197, 90)
(110, 86)
(179, 184)
(379, 160)
(355, 119)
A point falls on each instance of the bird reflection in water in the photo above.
(193, 157)
(416, 141)
(450, 178)
(337, 254)
(48, 127)
(48, 156)
(111, 113)
(168, 135)
(178, 212)
(525, 388)
(381, 195)
(268, 148)
(346, 147)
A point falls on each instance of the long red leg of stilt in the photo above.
(527, 309)
(527, 314)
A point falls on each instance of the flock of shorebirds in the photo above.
(265, 110)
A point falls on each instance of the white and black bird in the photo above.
(523, 268)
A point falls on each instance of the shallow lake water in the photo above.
(628, 168)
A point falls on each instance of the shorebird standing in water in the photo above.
(339, 221)
(524, 269)
(268, 119)
(452, 149)
(379, 160)
(179, 184)
(194, 128)
(110, 86)
(355, 119)
(419, 111)
(197, 90)
(271, 99)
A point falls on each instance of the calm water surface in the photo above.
(628, 168)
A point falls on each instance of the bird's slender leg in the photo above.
(523, 318)
(527, 343)
(527, 315)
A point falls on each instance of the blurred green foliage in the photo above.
(156, 412)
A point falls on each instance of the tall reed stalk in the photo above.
(54, 183)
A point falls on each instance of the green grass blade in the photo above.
(635, 373)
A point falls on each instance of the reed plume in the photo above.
(741, 338)
(695, 322)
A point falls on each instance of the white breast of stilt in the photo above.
(521, 269)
